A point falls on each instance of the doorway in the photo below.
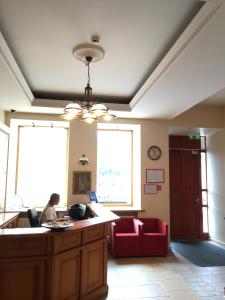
(187, 178)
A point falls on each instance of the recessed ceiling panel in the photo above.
(134, 34)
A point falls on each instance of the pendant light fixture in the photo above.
(88, 109)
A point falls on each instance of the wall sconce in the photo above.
(83, 160)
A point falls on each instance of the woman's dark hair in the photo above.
(52, 199)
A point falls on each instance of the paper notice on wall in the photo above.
(155, 175)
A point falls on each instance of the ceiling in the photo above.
(161, 57)
(216, 99)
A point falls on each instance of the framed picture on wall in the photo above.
(81, 182)
(155, 175)
(150, 188)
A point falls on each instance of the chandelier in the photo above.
(87, 110)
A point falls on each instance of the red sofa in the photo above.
(139, 237)
(126, 237)
(154, 237)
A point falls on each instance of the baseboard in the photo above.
(219, 242)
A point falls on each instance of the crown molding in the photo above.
(199, 22)
(10, 63)
(4, 128)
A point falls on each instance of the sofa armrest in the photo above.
(138, 226)
(164, 228)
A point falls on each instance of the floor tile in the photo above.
(163, 278)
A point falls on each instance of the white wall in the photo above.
(216, 184)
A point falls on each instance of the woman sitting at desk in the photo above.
(49, 213)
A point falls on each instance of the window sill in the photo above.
(58, 209)
(119, 208)
(126, 211)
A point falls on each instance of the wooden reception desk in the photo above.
(37, 264)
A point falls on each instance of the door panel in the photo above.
(93, 264)
(23, 279)
(185, 193)
(66, 276)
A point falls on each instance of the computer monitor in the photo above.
(92, 197)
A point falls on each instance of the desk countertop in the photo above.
(100, 213)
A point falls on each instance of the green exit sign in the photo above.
(194, 136)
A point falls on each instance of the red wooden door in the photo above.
(185, 194)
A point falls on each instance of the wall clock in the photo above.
(154, 152)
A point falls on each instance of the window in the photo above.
(204, 188)
(41, 164)
(118, 160)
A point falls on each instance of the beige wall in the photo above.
(29, 116)
(83, 140)
(200, 117)
(2, 115)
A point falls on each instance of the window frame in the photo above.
(16, 124)
(135, 186)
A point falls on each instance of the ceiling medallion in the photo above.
(88, 110)
(84, 50)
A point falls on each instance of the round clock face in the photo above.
(154, 152)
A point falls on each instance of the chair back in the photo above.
(33, 217)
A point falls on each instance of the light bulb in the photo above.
(88, 118)
(99, 109)
(68, 116)
(108, 117)
(73, 108)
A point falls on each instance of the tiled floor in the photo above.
(160, 278)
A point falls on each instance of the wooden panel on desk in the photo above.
(67, 241)
(66, 276)
(93, 267)
(93, 233)
(23, 246)
(22, 279)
